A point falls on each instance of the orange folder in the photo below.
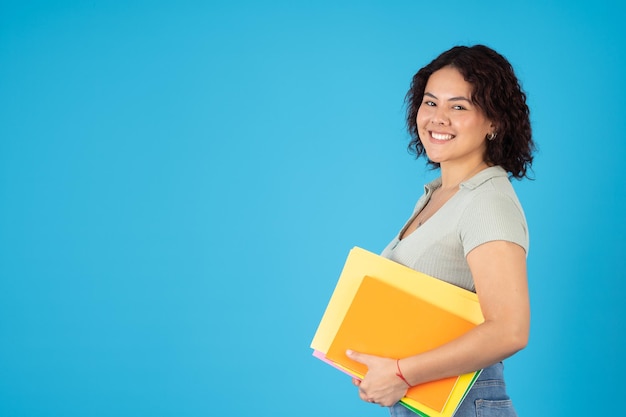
(368, 295)
(386, 321)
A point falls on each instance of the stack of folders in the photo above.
(383, 308)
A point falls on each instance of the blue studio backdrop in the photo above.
(180, 183)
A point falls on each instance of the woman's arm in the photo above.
(499, 272)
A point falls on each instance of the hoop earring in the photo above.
(492, 136)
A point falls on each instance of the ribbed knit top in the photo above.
(484, 209)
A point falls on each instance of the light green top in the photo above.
(484, 209)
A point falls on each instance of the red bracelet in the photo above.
(399, 374)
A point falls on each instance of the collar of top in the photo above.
(473, 182)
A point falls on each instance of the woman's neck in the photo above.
(453, 176)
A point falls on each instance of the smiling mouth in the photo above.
(441, 136)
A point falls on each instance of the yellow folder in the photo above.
(384, 308)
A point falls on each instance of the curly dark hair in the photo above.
(496, 91)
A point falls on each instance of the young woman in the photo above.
(468, 115)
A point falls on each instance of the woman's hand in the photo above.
(381, 384)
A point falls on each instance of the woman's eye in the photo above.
(458, 107)
(429, 103)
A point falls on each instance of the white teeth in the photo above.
(441, 136)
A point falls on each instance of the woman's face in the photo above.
(451, 128)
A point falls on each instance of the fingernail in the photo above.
(348, 352)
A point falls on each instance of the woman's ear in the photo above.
(493, 131)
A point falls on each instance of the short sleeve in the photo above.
(493, 215)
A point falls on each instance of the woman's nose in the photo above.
(439, 117)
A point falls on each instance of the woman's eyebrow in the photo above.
(458, 98)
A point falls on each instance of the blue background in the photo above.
(180, 183)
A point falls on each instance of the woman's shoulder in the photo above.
(491, 211)
(490, 193)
